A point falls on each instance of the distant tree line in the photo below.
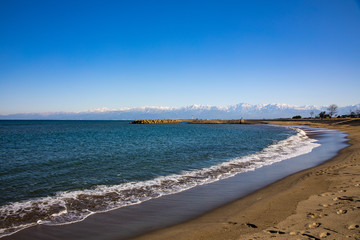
(332, 112)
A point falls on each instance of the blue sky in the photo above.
(80, 55)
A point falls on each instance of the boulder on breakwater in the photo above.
(155, 121)
(217, 121)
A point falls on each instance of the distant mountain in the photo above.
(238, 111)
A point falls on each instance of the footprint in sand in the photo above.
(310, 236)
(324, 234)
(314, 215)
(313, 225)
(275, 232)
(339, 212)
(250, 225)
(353, 226)
(345, 198)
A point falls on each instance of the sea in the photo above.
(61, 172)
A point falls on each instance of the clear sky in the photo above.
(79, 55)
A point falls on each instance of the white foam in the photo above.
(60, 209)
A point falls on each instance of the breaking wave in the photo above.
(73, 206)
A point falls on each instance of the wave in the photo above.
(74, 206)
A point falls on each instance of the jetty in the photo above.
(194, 121)
(156, 121)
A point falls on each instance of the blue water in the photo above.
(55, 172)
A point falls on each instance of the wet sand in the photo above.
(322, 202)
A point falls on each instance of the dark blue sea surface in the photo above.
(56, 172)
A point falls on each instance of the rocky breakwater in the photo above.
(155, 121)
(217, 121)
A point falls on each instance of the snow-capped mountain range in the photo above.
(242, 110)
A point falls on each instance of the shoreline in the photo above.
(108, 221)
(319, 202)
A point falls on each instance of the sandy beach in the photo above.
(318, 203)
